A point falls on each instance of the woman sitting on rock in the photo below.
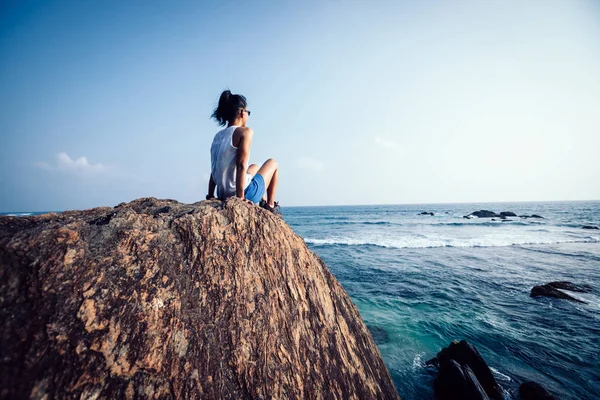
(229, 155)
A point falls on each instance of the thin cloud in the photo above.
(310, 164)
(65, 163)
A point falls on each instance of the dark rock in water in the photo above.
(476, 391)
(426, 213)
(463, 374)
(485, 214)
(571, 286)
(434, 362)
(380, 335)
(534, 391)
(549, 291)
(508, 214)
(493, 219)
(467, 216)
(506, 220)
(158, 299)
(536, 216)
(590, 227)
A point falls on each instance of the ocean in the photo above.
(421, 281)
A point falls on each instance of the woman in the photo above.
(229, 155)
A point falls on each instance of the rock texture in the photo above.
(157, 299)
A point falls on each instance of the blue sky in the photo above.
(366, 102)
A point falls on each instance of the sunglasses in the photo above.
(248, 111)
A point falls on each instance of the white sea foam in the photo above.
(19, 214)
(420, 242)
(500, 375)
(418, 361)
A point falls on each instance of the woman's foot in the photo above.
(275, 209)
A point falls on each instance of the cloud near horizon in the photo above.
(65, 163)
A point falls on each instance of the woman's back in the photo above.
(223, 162)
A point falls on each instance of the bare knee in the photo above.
(273, 163)
(252, 169)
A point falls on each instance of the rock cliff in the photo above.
(158, 299)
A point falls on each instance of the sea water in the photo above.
(421, 281)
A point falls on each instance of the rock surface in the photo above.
(548, 290)
(158, 299)
(573, 287)
(463, 374)
(485, 214)
(508, 214)
(590, 227)
(534, 391)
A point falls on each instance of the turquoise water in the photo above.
(422, 281)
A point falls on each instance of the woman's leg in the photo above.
(252, 169)
(269, 172)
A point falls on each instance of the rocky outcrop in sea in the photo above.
(158, 299)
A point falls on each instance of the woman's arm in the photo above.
(211, 188)
(243, 154)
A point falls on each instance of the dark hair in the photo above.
(229, 105)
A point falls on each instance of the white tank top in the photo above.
(223, 162)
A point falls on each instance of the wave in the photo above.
(417, 243)
(18, 214)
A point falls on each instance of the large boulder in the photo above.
(463, 374)
(158, 299)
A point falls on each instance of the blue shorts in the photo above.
(256, 189)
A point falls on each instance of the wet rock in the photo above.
(158, 299)
(534, 391)
(426, 213)
(531, 216)
(485, 214)
(590, 227)
(550, 291)
(463, 374)
(571, 286)
(508, 214)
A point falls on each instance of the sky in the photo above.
(360, 102)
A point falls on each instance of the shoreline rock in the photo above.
(155, 298)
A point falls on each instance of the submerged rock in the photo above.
(380, 335)
(158, 299)
(534, 391)
(590, 227)
(463, 374)
(550, 291)
(531, 216)
(426, 213)
(508, 214)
